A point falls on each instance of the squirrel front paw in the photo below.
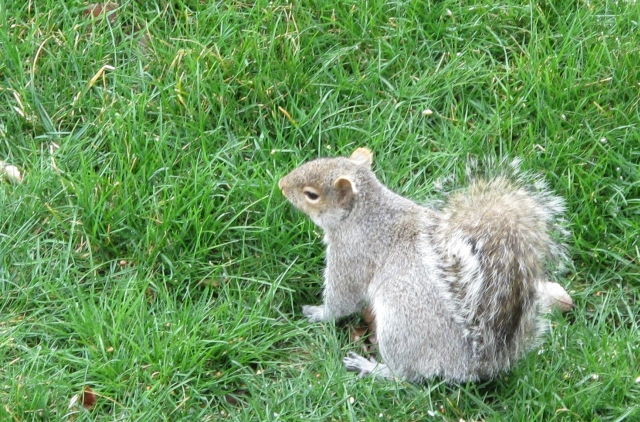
(356, 363)
(313, 313)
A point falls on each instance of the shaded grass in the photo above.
(148, 254)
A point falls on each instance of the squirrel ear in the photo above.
(346, 190)
(362, 156)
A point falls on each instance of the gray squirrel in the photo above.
(458, 291)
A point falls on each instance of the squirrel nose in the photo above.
(280, 184)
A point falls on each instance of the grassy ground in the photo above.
(149, 256)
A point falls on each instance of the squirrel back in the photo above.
(457, 291)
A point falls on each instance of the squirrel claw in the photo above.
(355, 363)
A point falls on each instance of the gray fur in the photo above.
(455, 290)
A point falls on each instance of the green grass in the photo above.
(149, 255)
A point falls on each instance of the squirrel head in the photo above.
(327, 189)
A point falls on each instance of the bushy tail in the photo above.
(500, 237)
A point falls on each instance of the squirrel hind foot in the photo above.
(353, 362)
(313, 313)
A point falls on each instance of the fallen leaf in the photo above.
(96, 10)
(357, 333)
(88, 398)
(235, 397)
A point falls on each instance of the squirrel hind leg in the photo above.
(353, 362)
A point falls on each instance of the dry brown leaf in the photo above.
(357, 333)
(235, 397)
(96, 10)
(88, 398)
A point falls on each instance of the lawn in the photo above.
(151, 270)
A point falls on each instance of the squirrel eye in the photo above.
(311, 195)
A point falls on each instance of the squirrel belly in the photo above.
(418, 337)
(458, 292)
